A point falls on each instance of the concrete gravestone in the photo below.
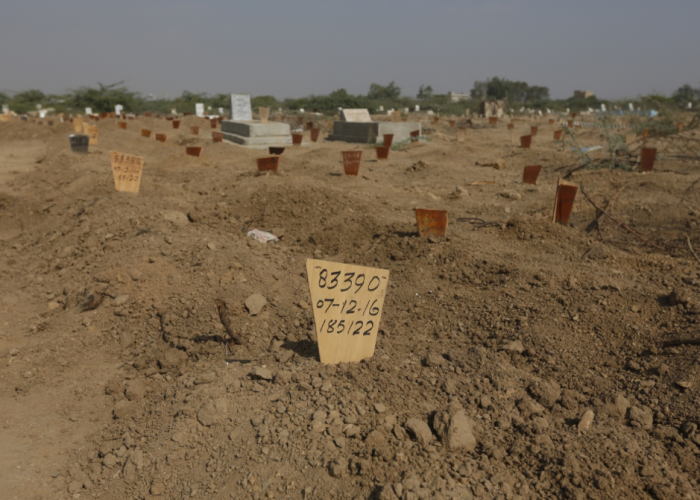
(118, 109)
(88, 111)
(199, 109)
(240, 108)
(355, 115)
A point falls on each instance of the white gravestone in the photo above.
(690, 105)
(221, 111)
(173, 111)
(381, 108)
(118, 109)
(355, 115)
(405, 110)
(630, 106)
(42, 113)
(88, 111)
(199, 109)
(301, 110)
(417, 108)
(5, 109)
(240, 108)
(602, 108)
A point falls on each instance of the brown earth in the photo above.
(497, 344)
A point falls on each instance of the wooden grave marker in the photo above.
(268, 164)
(176, 124)
(382, 152)
(161, 137)
(388, 140)
(557, 135)
(525, 141)
(264, 114)
(564, 201)
(194, 130)
(351, 162)
(648, 159)
(145, 133)
(127, 171)
(314, 134)
(533, 130)
(94, 132)
(296, 139)
(431, 222)
(347, 301)
(193, 151)
(78, 124)
(217, 136)
(530, 174)
(122, 125)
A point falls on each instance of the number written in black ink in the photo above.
(359, 328)
(370, 325)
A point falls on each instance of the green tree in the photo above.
(23, 102)
(103, 98)
(425, 92)
(391, 91)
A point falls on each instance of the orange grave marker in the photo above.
(382, 152)
(680, 128)
(431, 222)
(415, 135)
(275, 150)
(493, 120)
(268, 164)
(551, 121)
(127, 170)
(530, 174)
(351, 162)
(217, 136)
(169, 118)
(511, 126)
(648, 159)
(533, 130)
(388, 140)
(314, 134)
(347, 304)
(570, 123)
(122, 125)
(176, 123)
(309, 125)
(212, 123)
(296, 139)
(193, 151)
(557, 135)
(195, 130)
(78, 124)
(645, 133)
(564, 201)
(525, 141)
(145, 133)
(94, 134)
(161, 137)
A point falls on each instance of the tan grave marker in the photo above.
(264, 114)
(127, 171)
(396, 116)
(78, 124)
(4, 118)
(347, 301)
(355, 115)
(145, 133)
(94, 132)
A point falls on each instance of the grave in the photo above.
(356, 125)
(241, 129)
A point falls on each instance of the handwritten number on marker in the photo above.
(348, 280)
(370, 325)
(360, 280)
(357, 332)
(353, 305)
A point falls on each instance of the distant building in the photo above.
(454, 97)
(583, 94)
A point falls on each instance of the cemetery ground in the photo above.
(497, 344)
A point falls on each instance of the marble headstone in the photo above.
(355, 115)
(118, 109)
(88, 111)
(199, 109)
(240, 108)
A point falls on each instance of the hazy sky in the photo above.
(293, 48)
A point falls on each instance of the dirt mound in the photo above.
(516, 359)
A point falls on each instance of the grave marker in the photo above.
(396, 116)
(461, 134)
(268, 164)
(193, 151)
(78, 125)
(347, 301)
(79, 143)
(648, 159)
(533, 130)
(161, 137)
(557, 135)
(493, 120)
(122, 125)
(194, 130)
(525, 141)
(551, 121)
(388, 140)
(314, 134)
(240, 108)
(415, 135)
(94, 133)
(127, 170)
(296, 139)
(145, 133)
(217, 136)
(355, 115)
(382, 152)
(530, 174)
(511, 126)
(275, 150)
(351, 162)
(176, 123)
(564, 201)
(118, 109)
(431, 222)
(264, 114)
(199, 109)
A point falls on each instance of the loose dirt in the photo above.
(517, 359)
